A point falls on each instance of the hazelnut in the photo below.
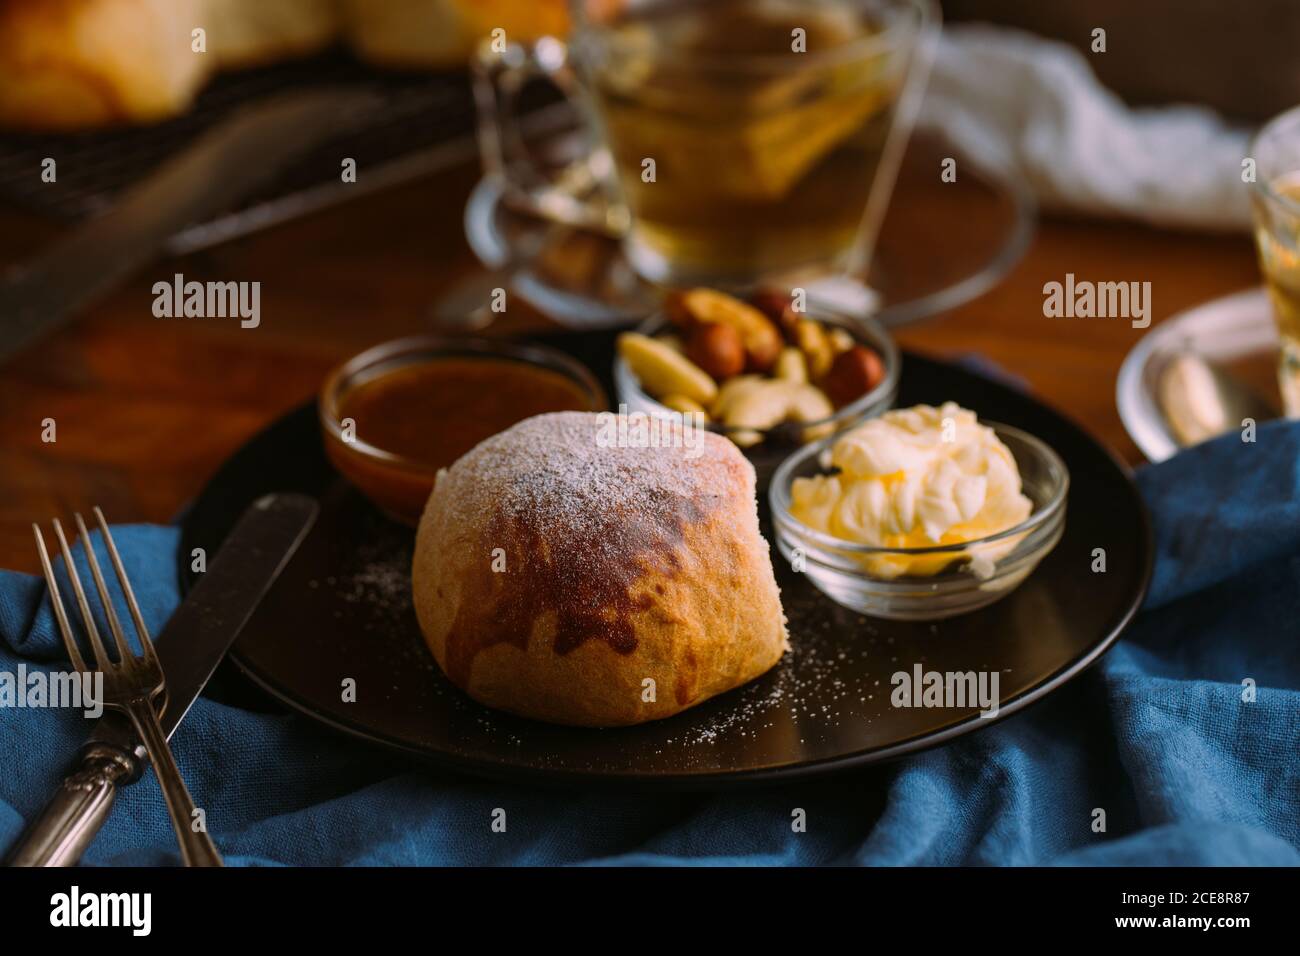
(770, 301)
(718, 349)
(761, 338)
(676, 311)
(788, 323)
(775, 304)
(762, 351)
(854, 372)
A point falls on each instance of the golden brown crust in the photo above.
(80, 64)
(244, 33)
(658, 574)
(424, 34)
(408, 34)
(71, 64)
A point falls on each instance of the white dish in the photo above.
(1236, 331)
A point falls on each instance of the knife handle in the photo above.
(77, 810)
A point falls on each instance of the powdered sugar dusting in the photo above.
(581, 508)
(557, 470)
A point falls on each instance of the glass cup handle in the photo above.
(580, 194)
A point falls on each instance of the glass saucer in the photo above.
(941, 245)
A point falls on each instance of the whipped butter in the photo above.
(915, 478)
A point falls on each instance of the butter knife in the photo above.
(190, 647)
(224, 165)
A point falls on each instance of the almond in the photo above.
(718, 349)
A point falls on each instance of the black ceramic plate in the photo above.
(342, 610)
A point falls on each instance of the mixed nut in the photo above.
(750, 365)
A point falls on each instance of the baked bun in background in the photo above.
(408, 34)
(84, 64)
(523, 20)
(244, 33)
(432, 34)
(555, 575)
(75, 64)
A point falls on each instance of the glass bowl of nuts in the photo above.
(762, 372)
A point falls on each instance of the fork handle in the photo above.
(197, 848)
(71, 820)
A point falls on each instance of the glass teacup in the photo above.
(735, 141)
(1275, 199)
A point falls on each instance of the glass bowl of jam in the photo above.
(395, 414)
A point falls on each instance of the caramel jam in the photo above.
(583, 579)
(430, 413)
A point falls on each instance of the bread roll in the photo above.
(72, 64)
(81, 64)
(408, 34)
(522, 20)
(560, 578)
(433, 34)
(245, 33)
(78, 64)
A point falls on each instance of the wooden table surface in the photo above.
(147, 408)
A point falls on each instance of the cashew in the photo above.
(762, 403)
(816, 347)
(761, 407)
(663, 371)
(841, 341)
(808, 403)
(731, 390)
(687, 406)
(791, 366)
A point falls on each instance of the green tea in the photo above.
(746, 133)
(1278, 239)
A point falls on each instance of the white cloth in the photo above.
(1035, 107)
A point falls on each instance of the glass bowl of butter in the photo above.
(920, 513)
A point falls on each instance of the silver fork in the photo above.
(132, 683)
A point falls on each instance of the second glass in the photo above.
(1275, 200)
(750, 140)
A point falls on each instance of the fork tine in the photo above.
(56, 602)
(102, 661)
(146, 643)
(124, 652)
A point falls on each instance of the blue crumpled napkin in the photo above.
(1157, 735)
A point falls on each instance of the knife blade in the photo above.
(190, 647)
(224, 165)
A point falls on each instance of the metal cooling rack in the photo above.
(426, 123)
